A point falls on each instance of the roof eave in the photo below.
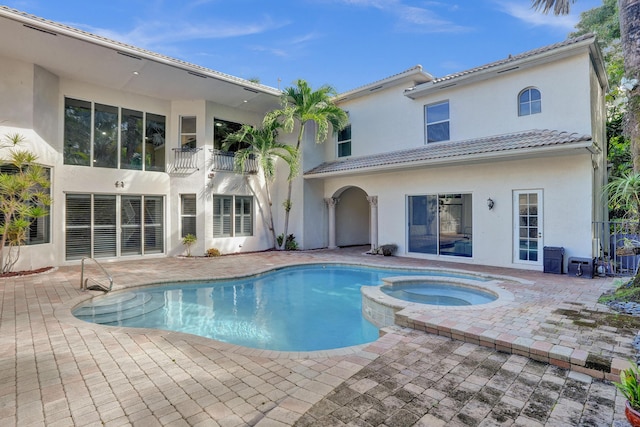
(56, 28)
(491, 72)
(588, 146)
(415, 75)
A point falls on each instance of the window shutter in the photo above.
(78, 226)
(153, 225)
(131, 225)
(104, 226)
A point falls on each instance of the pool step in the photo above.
(114, 308)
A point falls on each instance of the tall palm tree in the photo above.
(629, 11)
(302, 105)
(263, 145)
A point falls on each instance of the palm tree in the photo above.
(262, 144)
(629, 12)
(302, 105)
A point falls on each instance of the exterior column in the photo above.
(373, 202)
(331, 203)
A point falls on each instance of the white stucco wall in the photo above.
(564, 180)
(387, 120)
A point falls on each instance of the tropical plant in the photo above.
(22, 199)
(290, 243)
(629, 18)
(262, 144)
(630, 388)
(188, 241)
(301, 104)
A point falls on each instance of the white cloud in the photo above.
(413, 18)
(524, 12)
(151, 34)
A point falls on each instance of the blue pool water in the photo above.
(439, 294)
(302, 308)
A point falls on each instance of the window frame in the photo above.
(530, 102)
(192, 229)
(240, 223)
(344, 142)
(84, 133)
(185, 141)
(432, 124)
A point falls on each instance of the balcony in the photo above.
(225, 161)
(185, 160)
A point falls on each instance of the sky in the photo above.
(342, 43)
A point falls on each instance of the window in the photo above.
(188, 132)
(244, 219)
(242, 224)
(440, 224)
(529, 102)
(103, 147)
(437, 119)
(131, 139)
(344, 142)
(39, 228)
(188, 214)
(105, 136)
(222, 129)
(92, 220)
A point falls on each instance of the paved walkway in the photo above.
(58, 370)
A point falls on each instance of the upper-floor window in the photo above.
(112, 137)
(188, 132)
(437, 120)
(529, 102)
(344, 142)
(222, 129)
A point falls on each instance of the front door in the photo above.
(527, 216)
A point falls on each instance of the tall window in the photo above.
(187, 132)
(440, 224)
(131, 139)
(105, 136)
(529, 102)
(77, 132)
(344, 142)
(188, 214)
(154, 142)
(437, 121)
(39, 228)
(222, 129)
(116, 139)
(238, 208)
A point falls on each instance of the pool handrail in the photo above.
(83, 281)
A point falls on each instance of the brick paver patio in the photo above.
(499, 366)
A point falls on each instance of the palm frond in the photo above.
(560, 7)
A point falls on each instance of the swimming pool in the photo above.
(302, 308)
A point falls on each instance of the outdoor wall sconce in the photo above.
(490, 203)
(211, 174)
(119, 184)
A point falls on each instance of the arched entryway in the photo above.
(353, 218)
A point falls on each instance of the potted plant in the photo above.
(630, 388)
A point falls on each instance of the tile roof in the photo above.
(514, 58)
(457, 150)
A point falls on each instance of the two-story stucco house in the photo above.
(486, 166)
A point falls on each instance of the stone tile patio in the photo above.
(503, 366)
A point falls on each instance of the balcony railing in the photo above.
(617, 246)
(185, 160)
(225, 161)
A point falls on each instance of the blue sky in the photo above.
(344, 43)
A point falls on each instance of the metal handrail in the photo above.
(83, 282)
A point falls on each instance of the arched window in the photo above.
(529, 102)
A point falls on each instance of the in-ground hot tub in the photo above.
(424, 293)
